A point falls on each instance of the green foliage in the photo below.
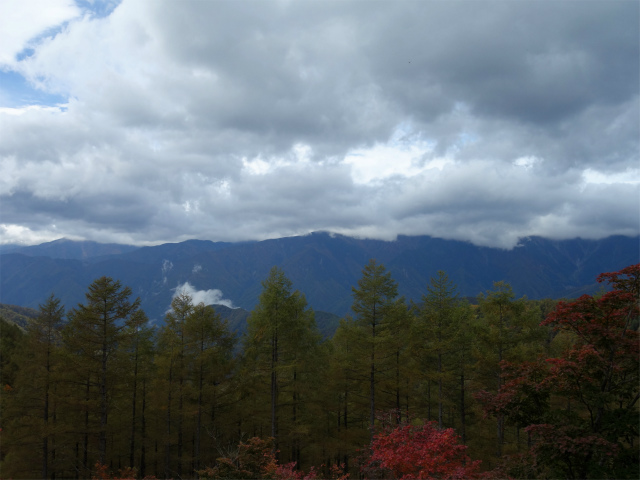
(107, 387)
(92, 339)
(441, 347)
(281, 346)
(10, 338)
(17, 315)
(31, 403)
(375, 312)
(507, 330)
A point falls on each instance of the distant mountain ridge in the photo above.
(322, 266)
(70, 249)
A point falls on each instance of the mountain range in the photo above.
(323, 266)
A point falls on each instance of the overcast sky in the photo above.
(146, 122)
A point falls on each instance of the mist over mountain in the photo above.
(322, 266)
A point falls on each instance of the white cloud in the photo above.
(22, 235)
(208, 297)
(403, 155)
(631, 176)
(22, 21)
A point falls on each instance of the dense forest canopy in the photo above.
(507, 387)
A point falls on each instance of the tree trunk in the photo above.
(85, 452)
(274, 388)
(102, 448)
(440, 391)
(463, 419)
(196, 442)
(133, 410)
(372, 379)
(180, 405)
(398, 406)
(143, 431)
(45, 418)
(53, 446)
(167, 444)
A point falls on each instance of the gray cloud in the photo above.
(476, 120)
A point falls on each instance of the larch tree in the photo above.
(32, 400)
(281, 334)
(507, 330)
(209, 348)
(172, 364)
(441, 346)
(373, 304)
(137, 363)
(398, 373)
(437, 329)
(346, 382)
(94, 334)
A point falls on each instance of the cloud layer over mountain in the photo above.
(147, 122)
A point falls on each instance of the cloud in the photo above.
(208, 297)
(22, 22)
(269, 119)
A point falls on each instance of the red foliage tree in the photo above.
(409, 452)
(581, 408)
(127, 473)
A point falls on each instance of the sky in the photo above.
(144, 122)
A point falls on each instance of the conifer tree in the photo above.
(373, 303)
(507, 330)
(137, 369)
(209, 349)
(94, 333)
(32, 398)
(347, 384)
(399, 369)
(281, 335)
(173, 363)
(11, 345)
(437, 332)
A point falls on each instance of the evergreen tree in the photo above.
(94, 333)
(11, 344)
(281, 337)
(172, 365)
(209, 349)
(398, 375)
(32, 401)
(347, 384)
(507, 330)
(373, 304)
(138, 364)
(440, 342)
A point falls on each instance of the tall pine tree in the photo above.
(32, 401)
(373, 306)
(94, 333)
(281, 337)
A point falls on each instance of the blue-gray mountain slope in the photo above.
(324, 267)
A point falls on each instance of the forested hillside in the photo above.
(508, 387)
(17, 315)
(324, 266)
